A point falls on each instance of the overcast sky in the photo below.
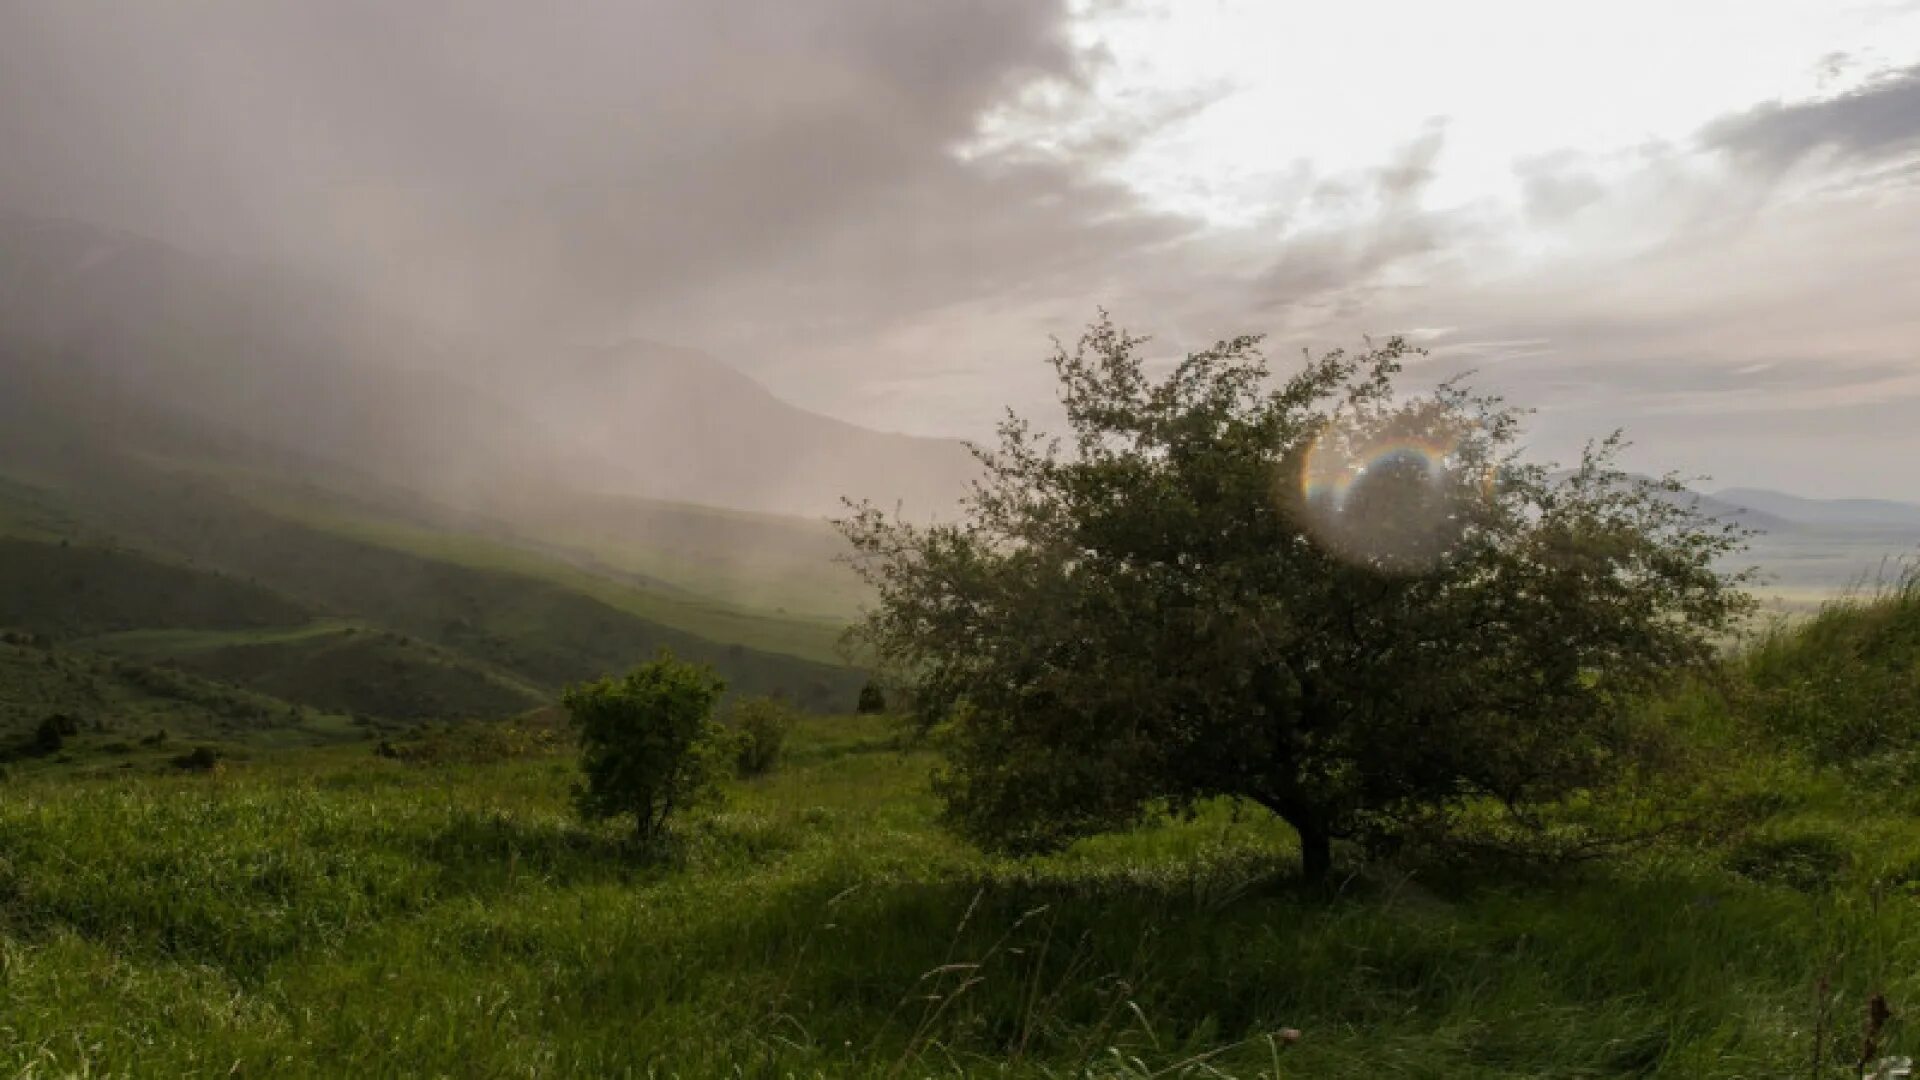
(1698, 220)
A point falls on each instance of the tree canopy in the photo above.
(1358, 608)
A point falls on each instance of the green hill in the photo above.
(520, 618)
(64, 589)
(352, 670)
(120, 708)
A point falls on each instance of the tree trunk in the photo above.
(1316, 852)
(1316, 839)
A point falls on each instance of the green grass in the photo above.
(1843, 684)
(333, 913)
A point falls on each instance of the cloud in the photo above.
(1556, 186)
(1385, 225)
(1871, 123)
(582, 168)
(883, 209)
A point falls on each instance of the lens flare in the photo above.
(1332, 472)
(1392, 493)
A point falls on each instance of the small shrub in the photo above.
(760, 727)
(648, 743)
(873, 700)
(199, 759)
(52, 734)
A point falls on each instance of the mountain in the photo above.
(316, 378)
(677, 424)
(1824, 512)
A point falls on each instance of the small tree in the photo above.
(872, 699)
(648, 743)
(1359, 610)
(760, 726)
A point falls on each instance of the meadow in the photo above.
(333, 912)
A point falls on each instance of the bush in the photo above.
(760, 727)
(48, 738)
(199, 759)
(872, 699)
(53, 732)
(648, 743)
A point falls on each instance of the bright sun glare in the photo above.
(1257, 96)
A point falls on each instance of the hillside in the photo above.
(63, 590)
(353, 671)
(134, 714)
(529, 627)
(511, 616)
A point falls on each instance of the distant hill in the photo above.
(677, 424)
(1823, 512)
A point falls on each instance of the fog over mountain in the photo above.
(312, 372)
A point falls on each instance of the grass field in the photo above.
(332, 913)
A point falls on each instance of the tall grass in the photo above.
(335, 914)
(1843, 684)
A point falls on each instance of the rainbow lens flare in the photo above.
(1390, 493)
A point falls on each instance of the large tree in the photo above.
(1360, 609)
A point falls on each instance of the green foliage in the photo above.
(760, 727)
(1361, 611)
(873, 700)
(648, 743)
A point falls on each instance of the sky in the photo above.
(1691, 219)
